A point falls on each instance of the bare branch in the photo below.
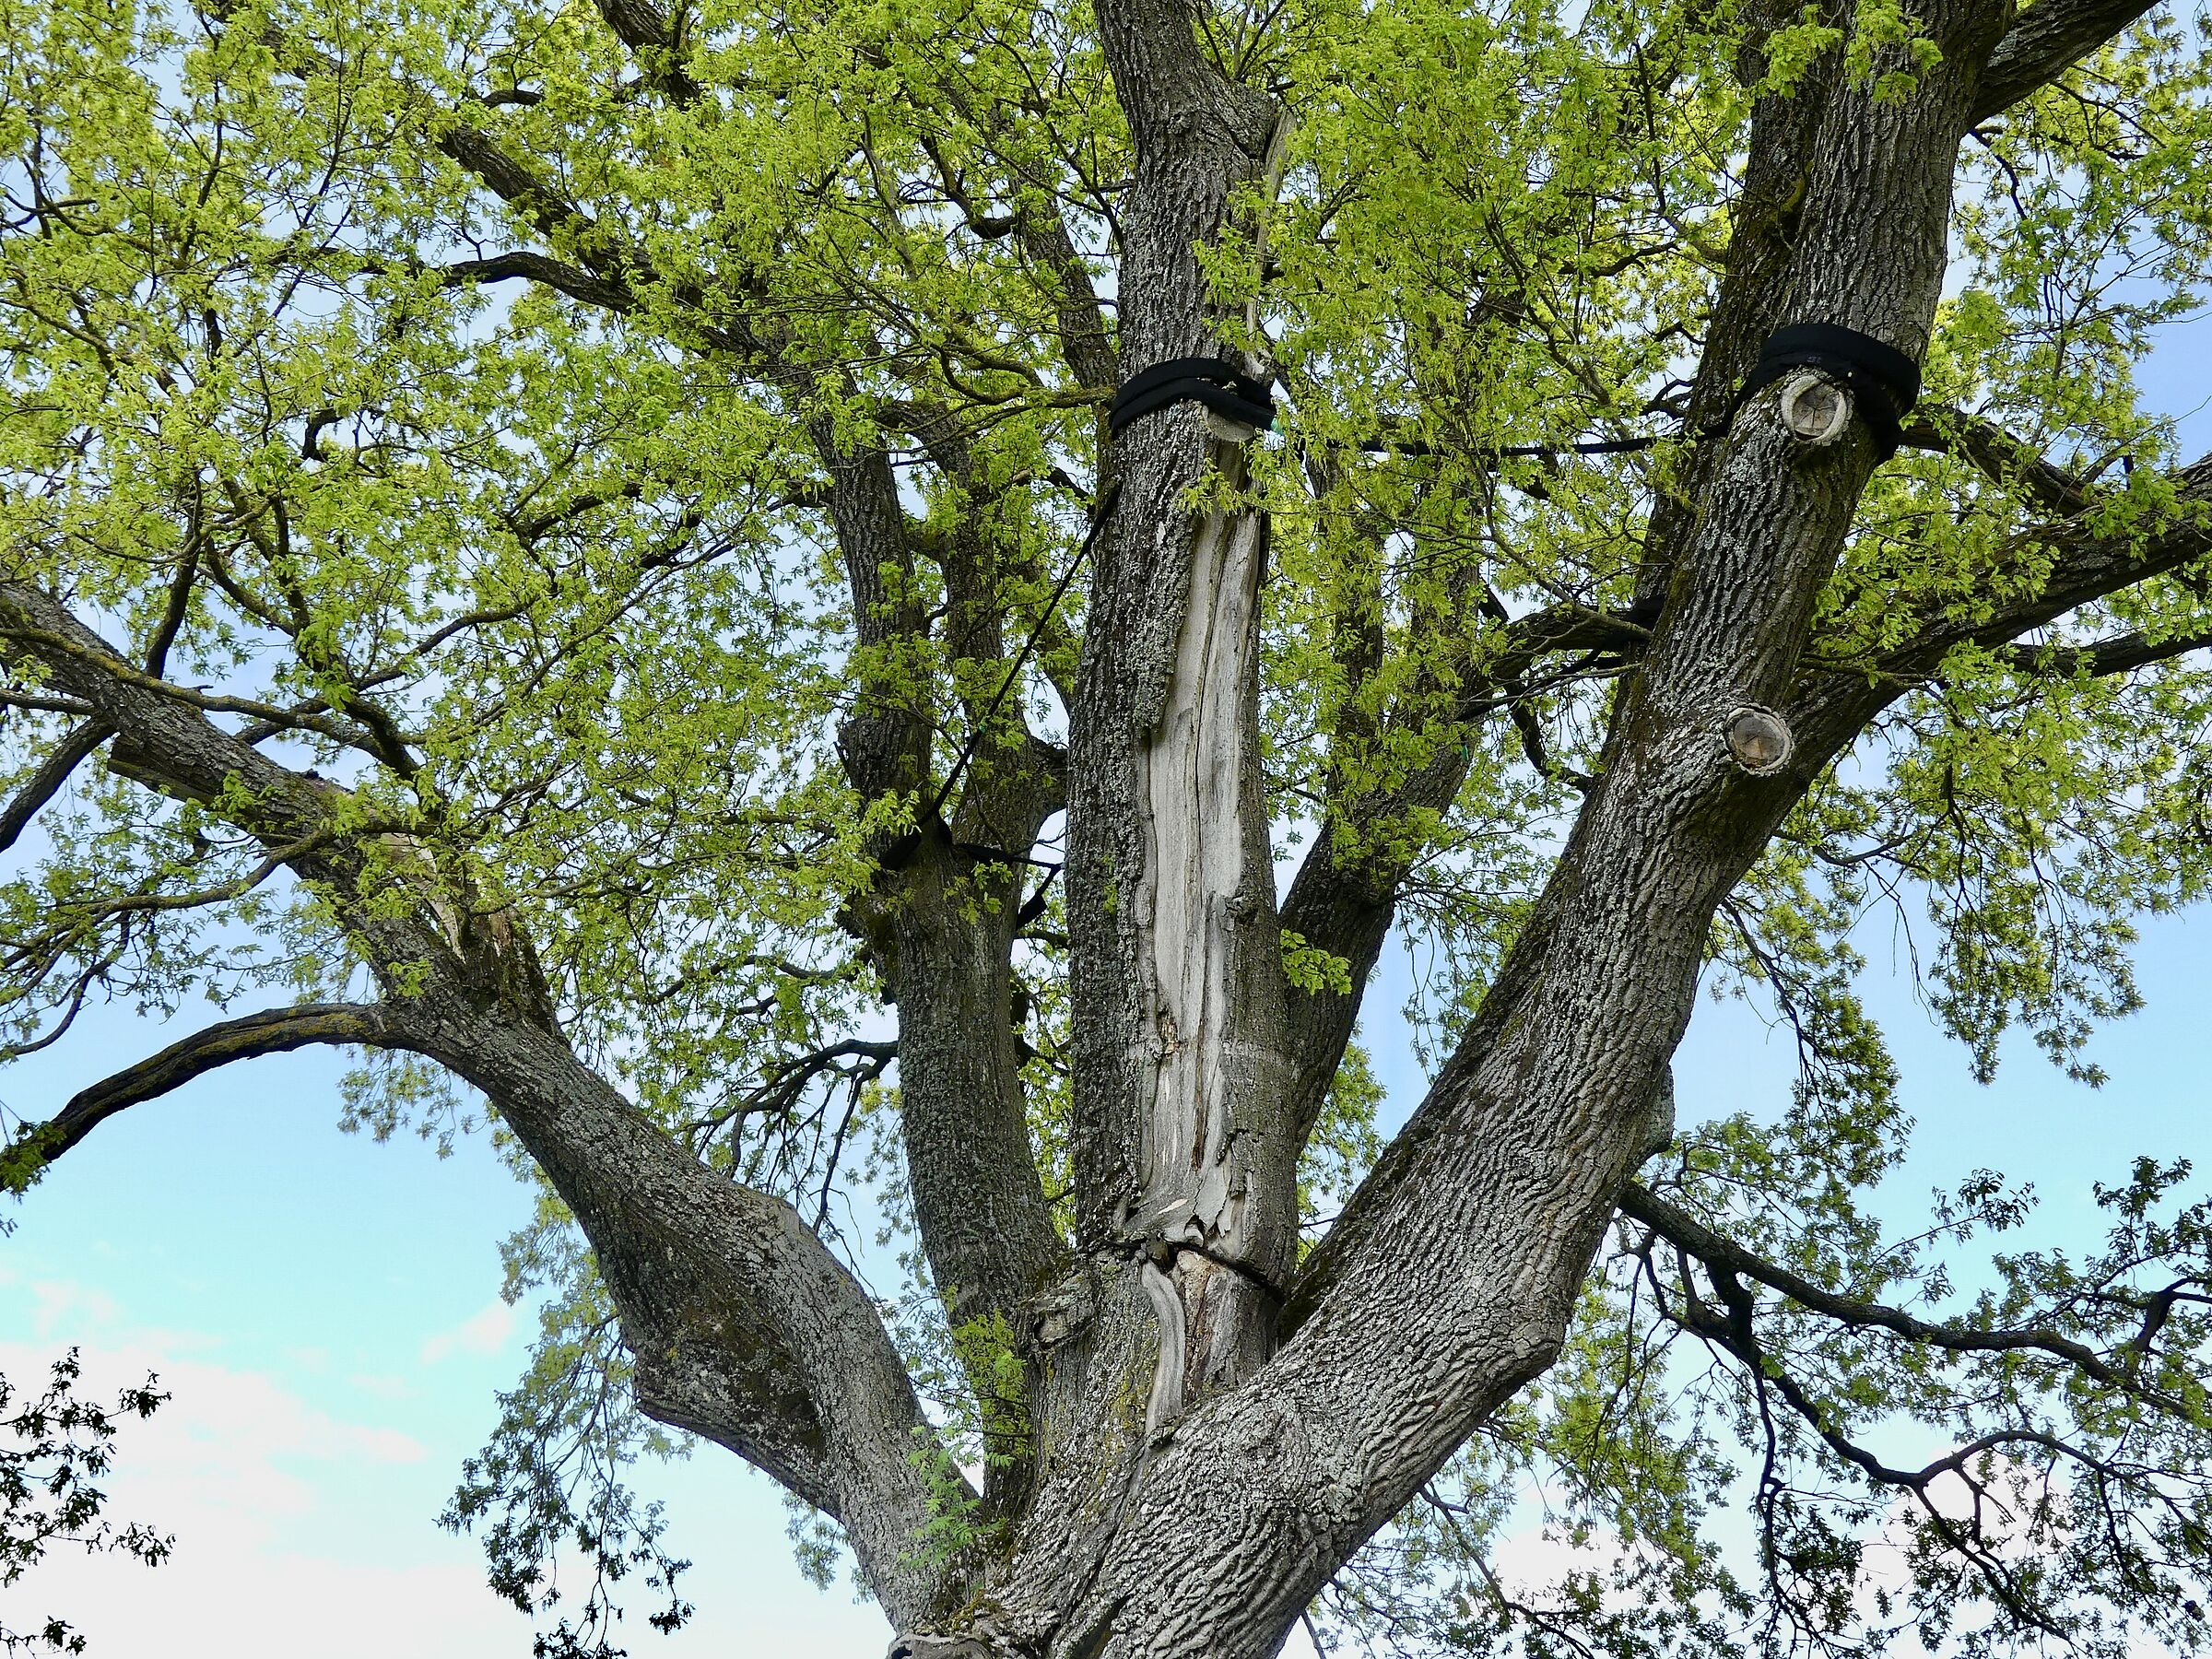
(557, 275)
(2121, 653)
(640, 26)
(277, 1032)
(46, 782)
(1693, 1237)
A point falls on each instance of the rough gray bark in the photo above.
(1210, 1434)
(1450, 1280)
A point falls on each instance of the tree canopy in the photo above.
(583, 554)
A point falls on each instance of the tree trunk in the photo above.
(1200, 1489)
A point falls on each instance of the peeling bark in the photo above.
(1182, 1143)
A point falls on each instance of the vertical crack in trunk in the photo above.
(1218, 1166)
(1182, 1139)
(1202, 897)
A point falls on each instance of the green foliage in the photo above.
(984, 1347)
(544, 578)
(1345, 1141)
(956, 1526)
(550, 1482)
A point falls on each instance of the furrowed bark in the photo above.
(961, 1111)
(1753, 300)
(2051, 37)
(1211, 1436)
(1184, 1167)
(1345, 905)
(745, 1328)
(942, 926)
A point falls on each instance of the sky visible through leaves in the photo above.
(324, 1311)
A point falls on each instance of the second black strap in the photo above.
(1220, 386)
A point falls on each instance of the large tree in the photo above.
(586, 555)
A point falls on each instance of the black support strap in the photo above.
(1514, 452)
(1219, 385)
(1883, 380)
(1226, 390)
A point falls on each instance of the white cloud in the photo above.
(246, 1475)
(1535, 1559)
(302, 1523)
(224, 1440)
(224, 1596)
(483, 1332)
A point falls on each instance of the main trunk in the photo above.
(1185, 1161)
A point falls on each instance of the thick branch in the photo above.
(980, 1204)
(983, 1216)
(1163, 80)
(641, 27)
(49, 643)
(165, 725)
(557, 275)
(2084, 568)
(277, 1032)
(2000, 457)
(2122, 653)
(46, 782)
(745, 1327)
(2051, 37)
(1463, 1255)
(1345, 895)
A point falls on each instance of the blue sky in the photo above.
(324, 1310)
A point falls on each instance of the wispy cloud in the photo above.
(483, 1332)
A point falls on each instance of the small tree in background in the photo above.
(61, 1444)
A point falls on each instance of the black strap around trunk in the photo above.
(1884, 380)
(1220, 386)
